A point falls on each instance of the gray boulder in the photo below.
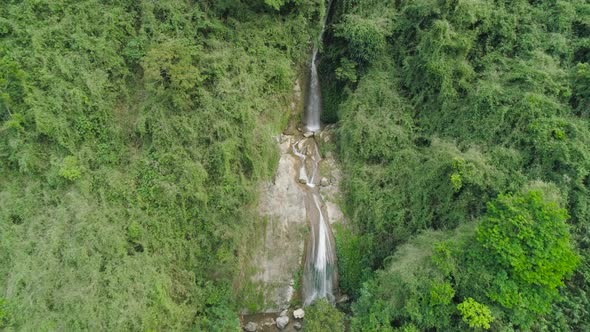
(282, 322)
(251, 327)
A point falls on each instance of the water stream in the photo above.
(314, 100)
(320, 275)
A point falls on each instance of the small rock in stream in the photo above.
(298, 314)
(308, 134)
(284, 313)
(251, 327)
(282, 322)
(297, 326)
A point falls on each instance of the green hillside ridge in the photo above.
(469, 116)
(132, 135)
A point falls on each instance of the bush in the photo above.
(3, 313)
(365, 37)
(475, 314)
(70, 168)
(323, 317)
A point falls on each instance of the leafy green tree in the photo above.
(582, 88)
(527, 247)
(365, 37)
(322, 316)
(70, 168)
(276, 4)
(513, 262)
(529, 237)
(475, 314)
(170, 72)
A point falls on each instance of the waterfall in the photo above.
(320, 275)
(314, 103)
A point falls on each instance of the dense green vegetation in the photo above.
(131, 135)
(464, 136)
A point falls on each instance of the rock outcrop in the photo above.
(282, 322)
(298, 314)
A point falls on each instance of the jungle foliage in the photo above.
(131, 136)
(464, 133)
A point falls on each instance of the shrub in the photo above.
(365, 37)
(475, 314)
(70, 168)
(323, 317)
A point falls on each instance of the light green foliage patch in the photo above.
(530, 238)
(70, 168)
(425, 279)
(322, 316)
(475, 314)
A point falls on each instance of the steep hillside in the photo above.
(131, 136)
(469, 114)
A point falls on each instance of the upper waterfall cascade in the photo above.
(313, 109)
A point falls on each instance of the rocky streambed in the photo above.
(286, 320)
(279, 259)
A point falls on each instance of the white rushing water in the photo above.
(320, 269)
(313, 108)
(320, 278)
(320, 275)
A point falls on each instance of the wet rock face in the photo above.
(283, 206)
(278, 258)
